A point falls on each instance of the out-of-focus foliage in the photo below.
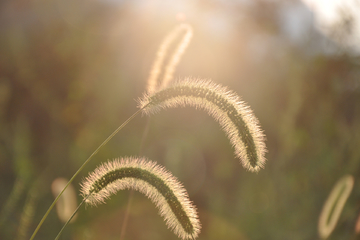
(70, 74)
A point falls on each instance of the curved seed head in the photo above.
(234, 116)
(163, 189)
(153, 82)
(334, 205)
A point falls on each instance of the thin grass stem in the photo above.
(71, 217)
(82, 166)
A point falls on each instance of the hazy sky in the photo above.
(343, 15)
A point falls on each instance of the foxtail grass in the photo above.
(234, 116)
(160, 186)
(153, 83)
(334, 205)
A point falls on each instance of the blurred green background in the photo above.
(72, 71)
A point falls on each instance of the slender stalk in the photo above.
(82, 166)
(71, 217)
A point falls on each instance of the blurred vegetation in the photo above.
(70, 74)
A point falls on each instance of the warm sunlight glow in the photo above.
(339, 19)
(325, 9)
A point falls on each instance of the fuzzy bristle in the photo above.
(161, 187)
(234, 116)
(153, 81)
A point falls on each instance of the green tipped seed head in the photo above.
(234, 116)
(155, 182)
